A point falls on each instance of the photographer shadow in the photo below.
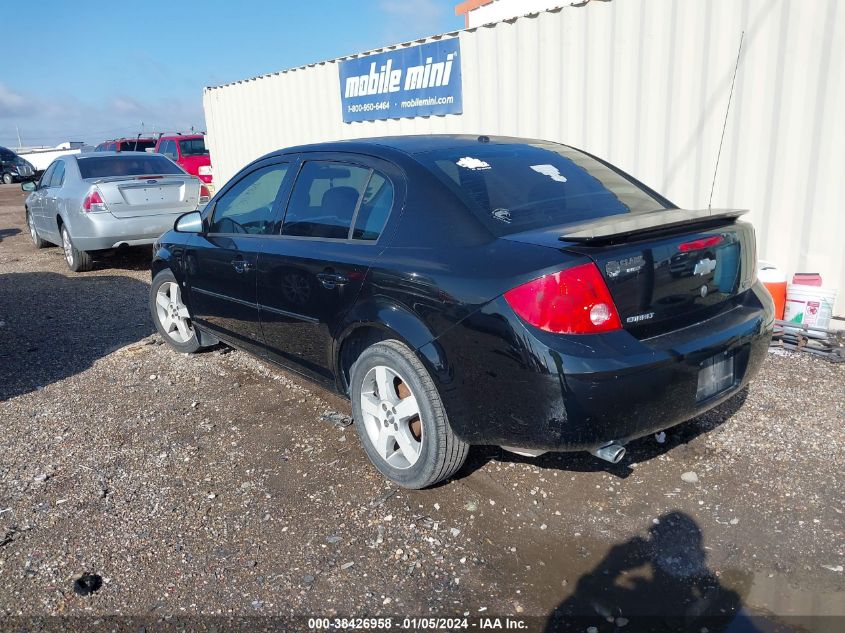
(657, 583)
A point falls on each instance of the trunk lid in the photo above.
(149, 195)
(667, 269)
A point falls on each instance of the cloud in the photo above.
(66, 117)
(127, 106)
(13, 104)
(411, 20)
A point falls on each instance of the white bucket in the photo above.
(809, 305)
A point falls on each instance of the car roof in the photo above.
(179, 137)
(128, 139)
(413, 144)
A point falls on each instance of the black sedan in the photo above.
(470, 290)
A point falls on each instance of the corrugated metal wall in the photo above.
(642, 83)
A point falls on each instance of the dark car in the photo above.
(13, 168)
(470, 290)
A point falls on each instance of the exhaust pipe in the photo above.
(612, 452)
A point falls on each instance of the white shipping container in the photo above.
(644, 84)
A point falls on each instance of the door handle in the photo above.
(241, 265)
(331, 280)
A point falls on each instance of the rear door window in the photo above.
(324, 200)
(520, 187)
(247, 208)
(336, 200)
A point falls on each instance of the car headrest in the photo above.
(340, 201)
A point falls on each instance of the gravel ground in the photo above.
(213, 484)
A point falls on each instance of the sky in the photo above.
(92, 70)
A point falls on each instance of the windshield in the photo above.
(130, 165)
(520, 187)
(138, 145)
(193, 147)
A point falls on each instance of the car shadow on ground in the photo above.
(660, 582)
(53, 326)
(127, 258)
(4, 233)
(639, 450)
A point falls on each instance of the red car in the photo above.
(189, 152)
(136, 144)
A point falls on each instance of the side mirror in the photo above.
(29, 185)
(190, 222)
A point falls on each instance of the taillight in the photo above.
(572, 301)
(205, 194)
(93, 203)
(697, 245)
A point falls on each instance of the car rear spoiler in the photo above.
(618, 227)
(96, 180)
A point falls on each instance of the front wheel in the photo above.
(7, 178)
(33, 233)
(170, 314)
(400, 417)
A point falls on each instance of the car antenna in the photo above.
(724, 127)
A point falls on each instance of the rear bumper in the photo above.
(102, 231)
(542, 391)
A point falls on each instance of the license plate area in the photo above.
(716, 374)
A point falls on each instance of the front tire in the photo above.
(7, 179)
(400, 417)
(33, 233)
(170, 314)
(78, 261)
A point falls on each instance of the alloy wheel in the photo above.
(32, 232)
(172, 313)
(392, 417)
(67, 246)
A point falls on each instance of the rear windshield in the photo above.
(193, 147)
(517, 187)
(105, 166)
(136, 146)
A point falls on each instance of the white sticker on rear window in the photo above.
(472, 163)
(551, 171)
(503, 215)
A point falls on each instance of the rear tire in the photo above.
(33, 233)
(413, 450)
(78, 261)
(170, 314)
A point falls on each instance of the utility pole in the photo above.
(17, 129)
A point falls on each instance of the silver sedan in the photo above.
(101, 201)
